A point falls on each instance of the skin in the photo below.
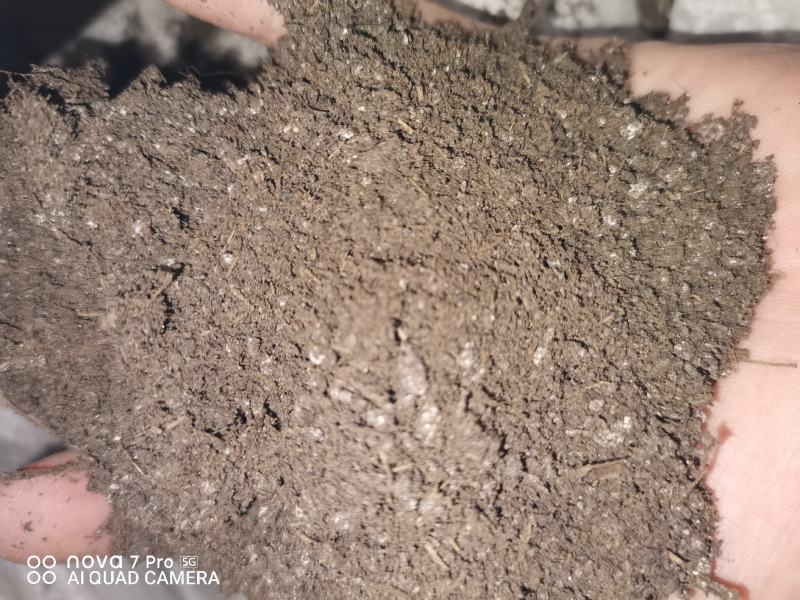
(755, 472)
(46, 508)
(756, 413)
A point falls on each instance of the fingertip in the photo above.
(256, 19)
(51, 512)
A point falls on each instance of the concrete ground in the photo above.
(134, 33)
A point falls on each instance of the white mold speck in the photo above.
(631, 130)
(427, 423)
(636, 190)
(316, 356)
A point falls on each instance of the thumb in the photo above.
(46, 508)
(256, 19)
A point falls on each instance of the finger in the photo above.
(587, 49)
(256, 19)
(46, 508)
(754, 477)
(259, 20)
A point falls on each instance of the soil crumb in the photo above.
(417, 315)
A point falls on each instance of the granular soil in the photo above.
(417, 315)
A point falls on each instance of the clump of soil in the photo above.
(418, 315)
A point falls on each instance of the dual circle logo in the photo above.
(41, 569)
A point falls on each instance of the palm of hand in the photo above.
(754, 475)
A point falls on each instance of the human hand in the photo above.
(753, 474)
(756, 413)
(46, 508)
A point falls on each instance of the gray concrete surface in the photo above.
(581, 15)
(735, 16)
(687, 18)
(22, 442)
(160, 30)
